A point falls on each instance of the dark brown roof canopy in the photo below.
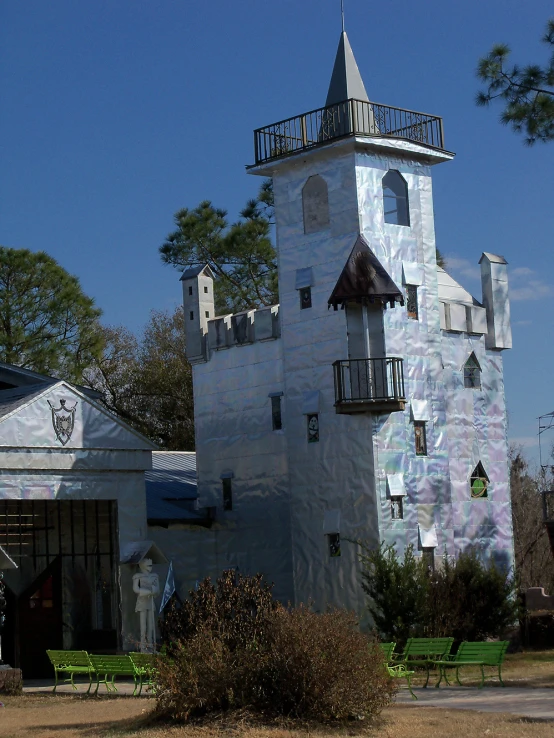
(364, 279)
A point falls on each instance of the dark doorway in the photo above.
(9, 632)
(66, 580)
(40, 619)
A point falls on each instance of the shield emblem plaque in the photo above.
(63, 420)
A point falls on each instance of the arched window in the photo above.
(479, 482)
(395, 199)
(315, 203)
(472, 373)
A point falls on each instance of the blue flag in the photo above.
(169, 588)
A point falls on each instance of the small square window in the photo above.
(190, 291)
(313, 428)
(397, 508)
(205, 289)
(191, 315)
(411, 301)
(227, 486)
(334, 545)
(276, 419)
(420, 438)
(305, 298)
(207, 313)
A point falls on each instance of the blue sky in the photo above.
(115, 113)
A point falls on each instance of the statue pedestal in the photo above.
(10, 680)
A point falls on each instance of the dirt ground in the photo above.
(69, 716)
(79, 717)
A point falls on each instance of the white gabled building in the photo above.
(369, 404)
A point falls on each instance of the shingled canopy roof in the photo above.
(364, 279)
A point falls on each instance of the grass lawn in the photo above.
(74, 717)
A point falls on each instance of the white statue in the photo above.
(146, 585)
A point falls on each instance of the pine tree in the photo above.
(47, 323)
(527, 92)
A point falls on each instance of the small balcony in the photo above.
(348, 118)
(369, 385)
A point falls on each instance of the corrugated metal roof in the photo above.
(11, 399)
(171, 487)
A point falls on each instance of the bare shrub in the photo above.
(232, 646)
(320, 666)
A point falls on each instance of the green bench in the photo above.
(71, 662)
(426, 652)
(474, 654)
(111, 667)
(103, 668)
(396, 671)
(145, 666)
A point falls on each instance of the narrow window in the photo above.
(227, 485)
(411, 301)
(191, 315)
(207, 313)
(428, 556)
(334, 545)
(479, 482)
(313, 428)
(305, 298)
(420, 438)
(276, 413)
(190, 290)
(472, 373)
(395, 199)
(205, 289)
(396, 508)
(315, 204)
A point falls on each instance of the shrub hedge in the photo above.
(232, 646)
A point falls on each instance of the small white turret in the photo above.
(198, 304)
(494, 281)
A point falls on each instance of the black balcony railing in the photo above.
(364, 383)
(348, 118)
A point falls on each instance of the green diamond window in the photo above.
(479, 482)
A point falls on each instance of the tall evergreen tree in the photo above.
(526, 92)
(47, 323)
(241, 255)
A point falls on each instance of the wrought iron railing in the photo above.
(369, 380)
(349, 118)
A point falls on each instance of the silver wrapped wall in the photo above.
(291, 496)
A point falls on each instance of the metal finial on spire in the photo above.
(342, 13)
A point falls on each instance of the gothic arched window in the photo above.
(395, 199)
(472, 373)
(479, 482)
(315, 203)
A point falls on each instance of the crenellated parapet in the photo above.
(226, 331)
(206, 332)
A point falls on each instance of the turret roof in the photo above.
(346, 80)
